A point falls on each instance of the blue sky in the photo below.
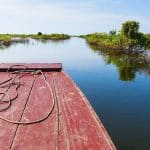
(71, 16)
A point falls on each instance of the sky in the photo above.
(71, 16)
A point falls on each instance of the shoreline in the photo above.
(8, 39)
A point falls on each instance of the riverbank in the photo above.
(7, 39)
(128, 39)
(105, 41)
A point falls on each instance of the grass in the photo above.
(147, 36)
(53, 36)
(114, 42)
(127, 39)
(105, 41)
(6, 39)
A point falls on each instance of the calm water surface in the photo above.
(118, 91)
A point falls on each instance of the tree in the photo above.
(130, 29)
(112, 32)
(133, 38)
(39, 33)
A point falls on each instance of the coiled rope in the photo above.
(13, 82)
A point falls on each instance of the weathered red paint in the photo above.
(73, 124)
(7, 130)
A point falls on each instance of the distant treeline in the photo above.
(6, 39)
(128, 39)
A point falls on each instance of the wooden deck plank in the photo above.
(32, 66)
(7, 130)
(73, 124)
(81, 127)
(40, 136)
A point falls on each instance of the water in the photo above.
(117, 87)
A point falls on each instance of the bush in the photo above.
(128, 39)
(39, 33)
(130, 29)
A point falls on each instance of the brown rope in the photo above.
(12, 83)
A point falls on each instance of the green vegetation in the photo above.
(147, 36)
(48, 36)
(128, 39)
(39, 35)
(124, 49)
(7, 39)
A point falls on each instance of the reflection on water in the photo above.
(123, 107)
(13, 42)
(128, 65)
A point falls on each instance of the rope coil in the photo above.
(11, 82)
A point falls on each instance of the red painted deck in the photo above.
(72, 124)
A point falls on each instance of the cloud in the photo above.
(74, 17)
